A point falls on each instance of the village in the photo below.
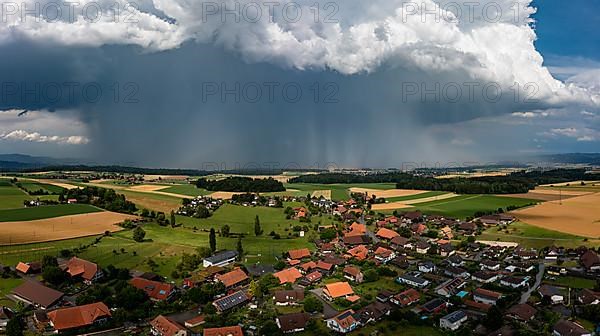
(365, 273)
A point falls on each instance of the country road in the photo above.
(538, 279)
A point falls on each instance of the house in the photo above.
(588, 297)
(427, 267)
(288, 297)
(456, 272)
(484, 277)
(29, 268)
(223, 331)
(5, 315)
(164, 326)
(412, 217)
(387, 234)
(344, 322)
(467, 228)
(373, 312)
(514, 282)
(525, 254)
(521, 312)
(88, 271)
(359, 252)
(384, 296)
(307, 266)
(569, 328)
(590, 260)
(291, 323)
(446, 250)
(353, 274)
(489, 265)
(299, 253)
(72, 318)
(337, 290)
(36, 294)
(451, 287)
(311, 278)
(455, 261)
(324, 267)
(418, 228)
(406, 298)
(412, 281)
(384, 255)
(554, 294)
(222, 258)
(400, 242)
(422, 247)
(447, 232)
(356, 229)
(356, 240)
(454, 320)
(156, 291)
(486, 296)
(400, 261)
(288, 275)
(434, 306)
(231, 301)
(195, 321)
(483, 307)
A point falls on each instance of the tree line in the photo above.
(103, 198)
(241, 184)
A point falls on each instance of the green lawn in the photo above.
(534, 237)
(573, 282)
(35, 186)
(466, 205)
(6, 286)
(11, 197)
(417, 196)
(45, 211)
(186, 189)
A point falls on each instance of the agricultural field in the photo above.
(6, 286)
(466, 205)
(578, 215)
(534, 237)
(31, 186)
(11, 197)
(45, 211)
(338, 191)
(186, 189)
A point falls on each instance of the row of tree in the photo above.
(103, 198)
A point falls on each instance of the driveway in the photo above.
(538, 279)
(328, 310)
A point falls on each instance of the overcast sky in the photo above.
(175, 83)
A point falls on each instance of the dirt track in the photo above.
(58, 228)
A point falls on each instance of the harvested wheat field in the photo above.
(548, 194)
(319, 193)
(223, 194)
(58, 184)
(58, 228)
(408, 203)
(577, 215)
(387, 193)
(147, 187)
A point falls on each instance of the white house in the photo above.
(454, 320)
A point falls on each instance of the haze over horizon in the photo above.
(360, 84)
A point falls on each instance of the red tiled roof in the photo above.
(387, 233)
(80, 267)
(154, 289)
(288, 275)
(78, 317)
(166, 326)
(299, 254)
(324, 266)
(352, 270)
(382, 251)
(314, 276)
(232, 278)
(307, 266)
(224, 331)
(22, 267)
(360, 252)
(338, 289)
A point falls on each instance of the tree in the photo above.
(491, 320)
(240, 248)
(212, 240)
(257, 230)
(172, 218)
(225, 230)
(14, 327)
(49, 261)
(54, 275)
(371, 275)
(312, 304)
(139, 234)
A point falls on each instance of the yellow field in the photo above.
(408, 203)
(58, 228)
(578, 215)
(319, 193)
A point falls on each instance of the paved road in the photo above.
(538, 279)
(328, 310)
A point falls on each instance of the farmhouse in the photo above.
(164, 326)
(288, 275)
(78, 317)
(299, 254)
(224, 331)
(590, 260)
(387, 234)
(359, 252)
(222, 258)
(288, 297)
(353, 274)
(234, 278)
(34, 293)
(86, 270)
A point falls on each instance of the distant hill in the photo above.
(572, 158)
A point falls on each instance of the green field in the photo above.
(45, 211)
(573, 282)
(338, 191)
(534, 237)
(35, 186)
(417, 196)
(186, 189)
(6, 286)
(466, 205)
(11, 197)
